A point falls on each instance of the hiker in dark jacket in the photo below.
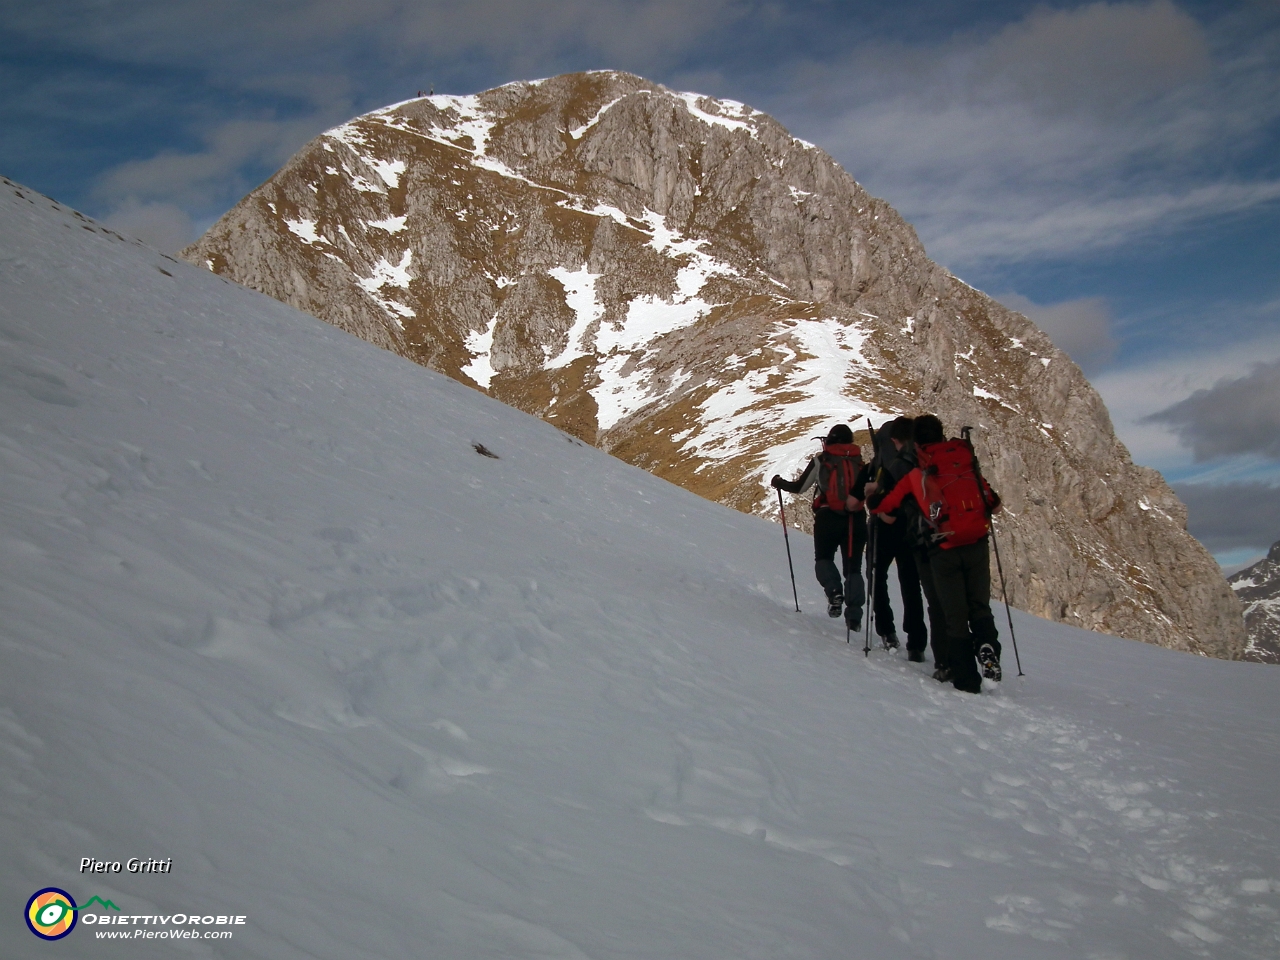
(892, 544)
(841, 526)
(959, 572)
(916, 531)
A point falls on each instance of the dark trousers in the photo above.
(933, 603)
(892, 545)
(847, 533)
(962, 580)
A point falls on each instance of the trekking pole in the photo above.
(783, 513)
(982, 490)
(848, 631)
(871, 606)
(1000, 568)
(871, 547)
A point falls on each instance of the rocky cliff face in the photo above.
(680, 281)
(1258, 588)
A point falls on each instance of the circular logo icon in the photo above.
(51, 913)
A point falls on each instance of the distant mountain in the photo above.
(1258, 588)
(680, 281)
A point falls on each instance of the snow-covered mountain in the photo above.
(679, 280)
(1258, 588)
(267, 615)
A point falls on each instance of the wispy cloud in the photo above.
(158, 199)
(203, 176)
(250, 82)
(1067, 132)
(1033, 226)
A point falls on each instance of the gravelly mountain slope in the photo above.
(680, 281)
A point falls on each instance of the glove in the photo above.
(776, 482)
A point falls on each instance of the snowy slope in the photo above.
(266, 612)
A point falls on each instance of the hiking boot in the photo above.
(990, 662)
(853, 619)
(942, 674)
(834, 605)
(915, 656)
(890, 641)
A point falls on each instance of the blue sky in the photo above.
(1111, 169)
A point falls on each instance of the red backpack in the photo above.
(959, 504)
(838, 466)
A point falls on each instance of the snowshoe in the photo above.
(990, 662)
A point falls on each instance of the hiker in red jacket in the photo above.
(955, 521)
(839, 521)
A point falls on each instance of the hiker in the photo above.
(956, 510)
(839, 521)
(891, 543)
(917, 534)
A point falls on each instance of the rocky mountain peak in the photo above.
(1258, 588)
(677, 279)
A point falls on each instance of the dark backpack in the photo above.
(958, 510)
(838, 466)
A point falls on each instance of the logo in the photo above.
(51, 913)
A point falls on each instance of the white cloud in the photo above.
(1031, 226)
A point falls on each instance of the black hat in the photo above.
(901, 428)
(840, 433)
(928, 429)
